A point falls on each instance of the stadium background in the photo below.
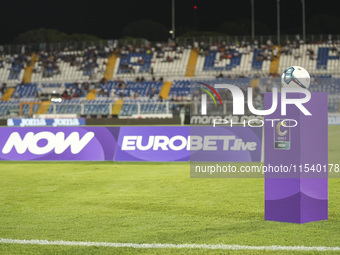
(146, 81)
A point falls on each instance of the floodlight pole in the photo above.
(252, 20)
(278, 21)
(173, 19)
(303, 21)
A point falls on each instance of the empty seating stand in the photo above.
(12, 107)
(82, 107)
(144, 106)
(25, 91)
(144, 89)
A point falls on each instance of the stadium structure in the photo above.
(58, 196)
(147, 80)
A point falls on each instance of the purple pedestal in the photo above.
(300, 194)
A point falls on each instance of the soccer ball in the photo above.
(295, 77)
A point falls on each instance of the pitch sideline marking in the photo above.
(174, 246)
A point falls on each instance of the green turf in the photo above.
(146, 203)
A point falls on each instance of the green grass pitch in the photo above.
(147, 203)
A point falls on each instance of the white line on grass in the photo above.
(174, 246)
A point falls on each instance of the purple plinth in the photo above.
(297, 196)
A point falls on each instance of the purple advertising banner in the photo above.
(58, 143)
(225, 144)
(153, 144)
(131, 143)
(189, 143)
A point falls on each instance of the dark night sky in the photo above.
(106, 19)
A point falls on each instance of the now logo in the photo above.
(57, 142)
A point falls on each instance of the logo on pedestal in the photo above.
(282, 135)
